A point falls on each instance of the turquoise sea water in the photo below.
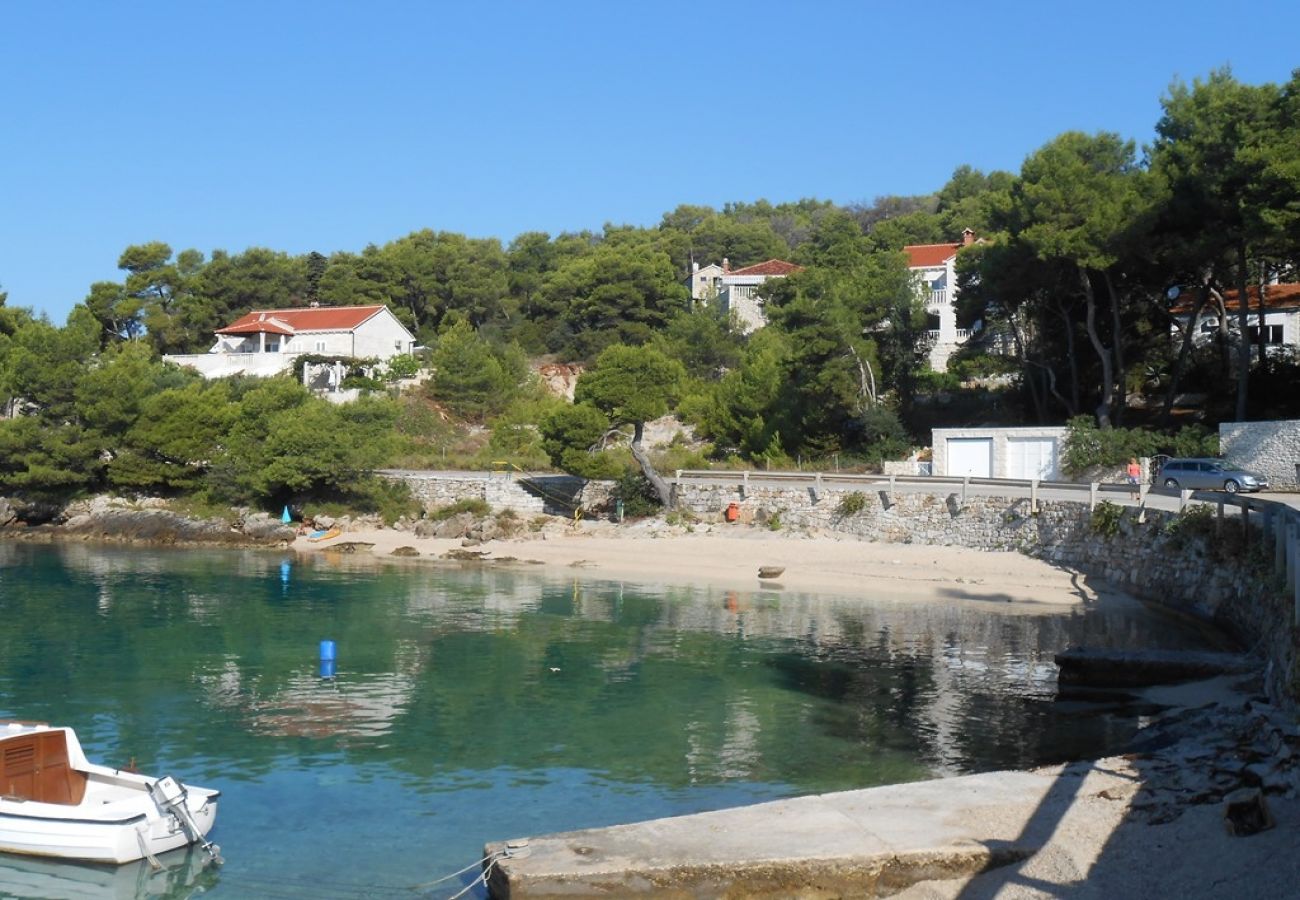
(478, 704)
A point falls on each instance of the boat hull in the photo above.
(77, 833)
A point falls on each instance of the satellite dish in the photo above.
(1173, 291)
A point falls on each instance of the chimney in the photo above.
(726, 264)
(967, 237)
(695, 267)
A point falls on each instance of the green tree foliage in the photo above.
(854, 332)
(632, 386)
(472, 378)
(1215, 144)
(173, 442)
(230, 285)
(111, 393)
(970, 199)
(286, 444)
(42, 364)
(613, 295)
(1079, 202)
(738, 413)
(572, 437)
(704, 340)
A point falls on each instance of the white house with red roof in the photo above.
(266, 341)
(1281, 315)
(737, 290)
(935, 266)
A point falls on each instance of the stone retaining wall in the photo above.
(528, 495)
(1219, 573)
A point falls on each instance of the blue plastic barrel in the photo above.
(327, 651)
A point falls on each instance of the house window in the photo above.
(320, 346)
(272, 346)
(1272, 334)
(397, 344)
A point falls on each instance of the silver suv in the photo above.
(1209, 474)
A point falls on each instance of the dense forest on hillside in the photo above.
(1084, 256)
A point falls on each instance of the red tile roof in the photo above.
(771, 267)
(292, 321)
(926, 256)
(1276, 296)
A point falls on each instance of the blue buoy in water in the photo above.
(327, 652)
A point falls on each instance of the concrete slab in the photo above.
(872, 842)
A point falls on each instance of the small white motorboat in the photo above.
(55, 803)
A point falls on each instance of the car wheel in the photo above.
(1171, 482)
(1231, 486)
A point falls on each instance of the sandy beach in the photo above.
(730, 557)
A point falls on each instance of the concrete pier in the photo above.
(866, 843)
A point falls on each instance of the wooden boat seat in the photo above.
(35, 767)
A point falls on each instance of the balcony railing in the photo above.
(961, 334)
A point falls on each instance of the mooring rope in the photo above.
(482, 878)
(272, 887)
(436, 881)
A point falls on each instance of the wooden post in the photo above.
(1033, 497)
(892, 479)
(1142, 502)
(744, 484)
(1092, 496)
(965, 483)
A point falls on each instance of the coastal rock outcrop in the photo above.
(145, 521)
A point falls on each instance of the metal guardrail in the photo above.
(1018, 487)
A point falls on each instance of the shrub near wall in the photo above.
(1187, 562)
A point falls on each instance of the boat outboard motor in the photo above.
(169, 795)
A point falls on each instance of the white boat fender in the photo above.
(169, 796)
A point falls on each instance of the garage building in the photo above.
(1033, 452)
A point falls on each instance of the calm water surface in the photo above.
(480, 704)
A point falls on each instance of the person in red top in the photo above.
(1134, 476)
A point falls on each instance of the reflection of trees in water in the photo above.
(443, 672)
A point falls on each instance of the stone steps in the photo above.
(506, 493)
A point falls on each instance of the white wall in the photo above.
(221, 365)
(382, 336)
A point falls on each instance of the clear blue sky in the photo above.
(326, 126)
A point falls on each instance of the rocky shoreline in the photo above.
(113, 520)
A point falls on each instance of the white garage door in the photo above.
(1031, 458)
(970, 456)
